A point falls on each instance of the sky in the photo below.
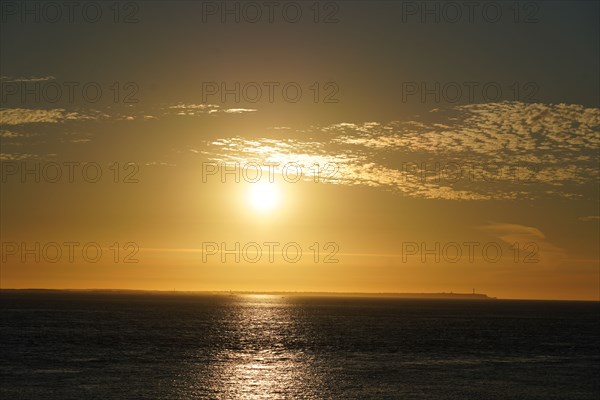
(352, 146)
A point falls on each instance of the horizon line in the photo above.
(481, 296)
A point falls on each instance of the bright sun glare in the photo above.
(264, 196)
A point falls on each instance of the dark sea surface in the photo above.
(92, 345)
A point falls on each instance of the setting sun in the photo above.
(263, 196)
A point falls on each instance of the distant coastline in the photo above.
(442, 295)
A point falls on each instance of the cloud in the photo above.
(239, 110)
(159, 164)
(80, 140)
(16, 156)
(474, 152)
(201, 109)
(530, 242)
(6, 134)
(492, 129)
(345, 168)
(195, 106)
(493, 151)
(27, 79)
(589, 218)
(131, 117)
(20, 116)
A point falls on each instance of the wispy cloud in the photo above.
(27, 79)
(530, 242)
(159, 164)
(16, 156)
(200, 109)
(20, 116)
(589, 218)
(238, 110)
(7, 134)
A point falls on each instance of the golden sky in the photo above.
(359, 149)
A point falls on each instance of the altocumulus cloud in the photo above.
(506, 150)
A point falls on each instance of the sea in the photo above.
(146, 345)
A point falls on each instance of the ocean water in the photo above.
(90, 345)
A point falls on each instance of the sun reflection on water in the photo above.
(261, 356)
